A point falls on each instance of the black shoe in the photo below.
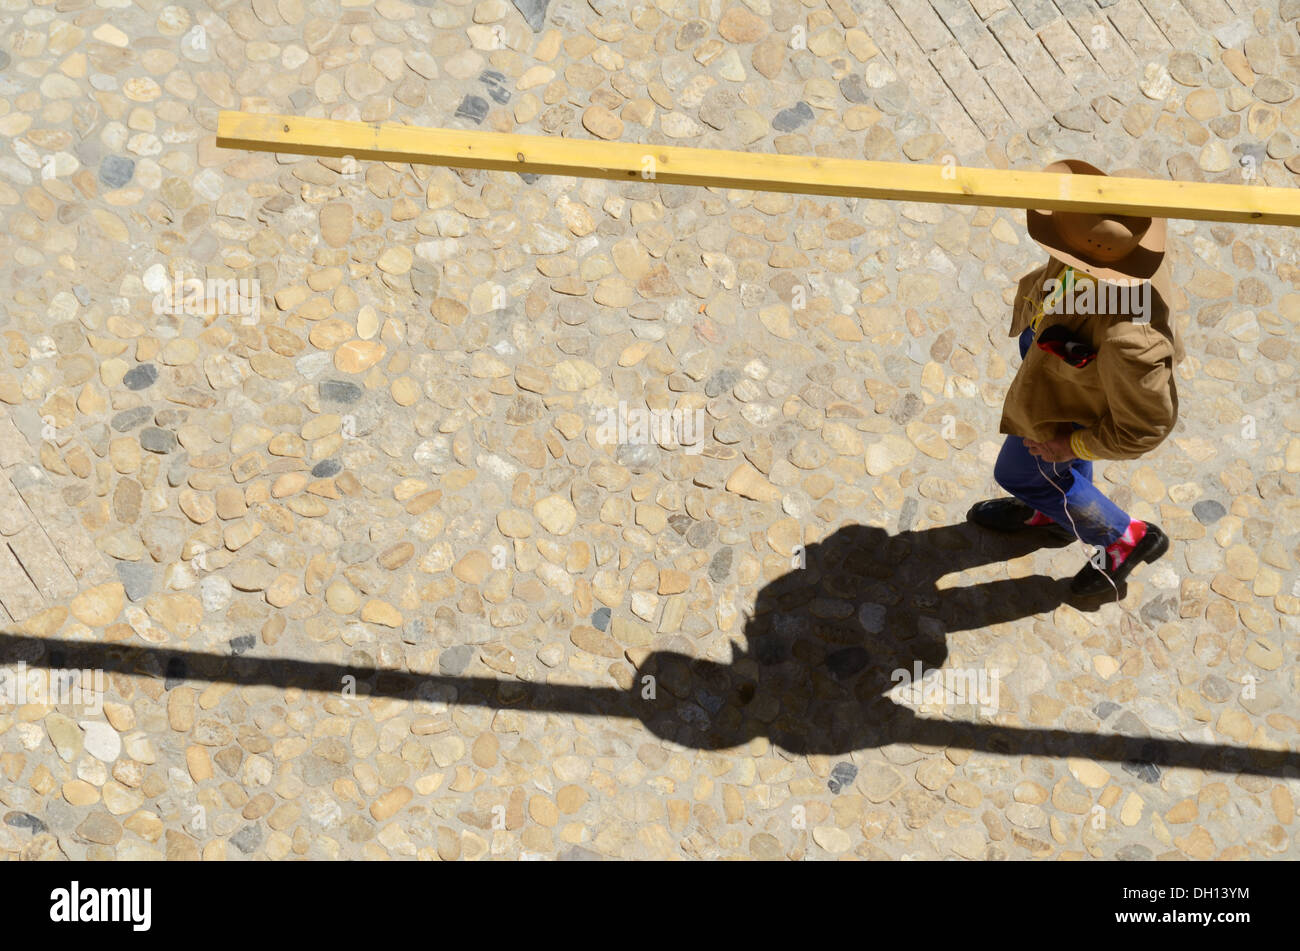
(1093, 580)
(1009, 515)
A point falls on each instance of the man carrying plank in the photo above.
(1096, 382)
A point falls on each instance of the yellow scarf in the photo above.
(1066, 282)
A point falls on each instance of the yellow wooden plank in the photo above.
(678, 165)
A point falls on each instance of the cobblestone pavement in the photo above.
(435, 435)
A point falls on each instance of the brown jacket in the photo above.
(1125, 398)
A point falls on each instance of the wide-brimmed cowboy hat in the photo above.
(1109, 247)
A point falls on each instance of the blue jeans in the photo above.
(1097, 520)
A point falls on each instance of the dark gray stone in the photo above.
(137, 578)
(529, 177)
(787, 120)
(600, 619)
(1208, 511)
(247, 839)
(131, 418)
(495, 83)
(115, 171)
(24, 820)
(533, 11)
(339, 391)
(841, 775)
(242, 644)
(141, 377)
(454, 660)
(326, 468)
(4, 59)
(720, 565)
(473, 108)
(158, 440)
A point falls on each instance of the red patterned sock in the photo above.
(1119, 550)
(1038, 518)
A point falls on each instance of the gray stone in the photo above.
(496, 85)
(24, 820)
(855, 89)
(720, 382)
(720, 565)
(701, 534)
(116, 171)
(454, 660)
(137, 578)
(907, 514)
(1105, 708)
(131, 418)
(787, 120)
(141, 377)
(534, 12)
(326, 468)
(600, 619)
(416, 631)
(473, 108)
(1215, 689)
(1208, 511)
(156, 439)
(339, 391)
(242, 644)
(841, 775)
(906, 408)
(247, 839)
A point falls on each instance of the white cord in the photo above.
(1065, 504)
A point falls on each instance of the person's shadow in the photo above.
(830, 639)
(824, 646)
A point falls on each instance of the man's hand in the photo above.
(1054, 450)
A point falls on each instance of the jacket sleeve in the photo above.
(1135, 366)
